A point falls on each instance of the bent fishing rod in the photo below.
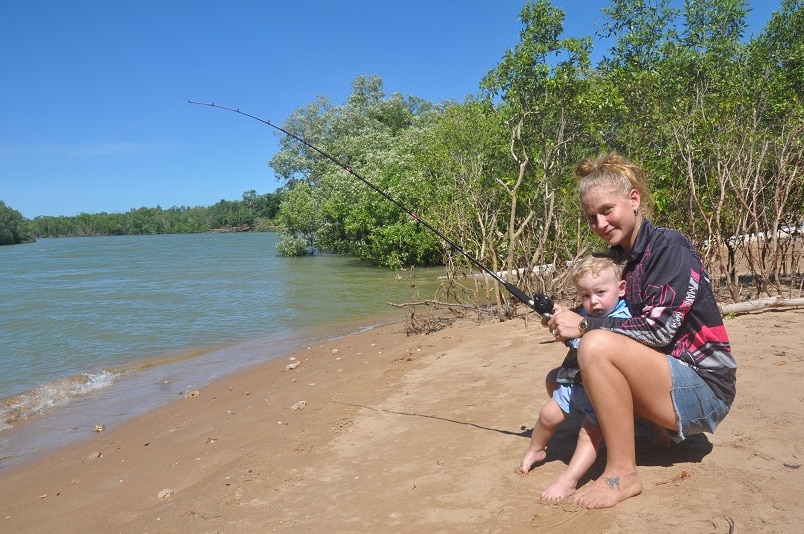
(539, 302)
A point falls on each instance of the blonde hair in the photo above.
(593, 265)
(617, 174)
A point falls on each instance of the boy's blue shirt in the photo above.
(621, 311)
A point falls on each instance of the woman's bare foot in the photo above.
(608, 490)
(531, 458)
(561, 488)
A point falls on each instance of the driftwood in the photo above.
(756, 305)
(428, 323)
(432, 303)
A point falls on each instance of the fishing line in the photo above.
(539, 302)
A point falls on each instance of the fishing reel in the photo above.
(543, 305)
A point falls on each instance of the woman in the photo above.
(671, 363)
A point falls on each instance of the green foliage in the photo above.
(332, 210)
(540, 60)
(291, 245)
(716, 121)
(13, 229)
(643, 31)
(299, 217)
(777, 59)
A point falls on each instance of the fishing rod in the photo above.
(539, 302)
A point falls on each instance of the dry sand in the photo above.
(417, 434)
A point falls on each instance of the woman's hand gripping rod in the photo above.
(540, 303)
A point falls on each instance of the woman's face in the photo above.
(612, 216)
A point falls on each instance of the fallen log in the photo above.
(750, 306)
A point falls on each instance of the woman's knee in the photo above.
(595, 346)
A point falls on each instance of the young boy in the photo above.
(600, 289)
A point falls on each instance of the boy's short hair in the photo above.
(593, 265)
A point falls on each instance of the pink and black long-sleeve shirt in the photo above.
(673, 307)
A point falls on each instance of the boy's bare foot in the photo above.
(559, 489)
(608, 490)
(531, 458)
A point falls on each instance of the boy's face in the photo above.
(599, 294)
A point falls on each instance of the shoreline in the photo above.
(411, 434)
(143, 388)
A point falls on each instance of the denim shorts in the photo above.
(697, 407)
(573, 400)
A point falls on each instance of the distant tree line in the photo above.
(252, 212)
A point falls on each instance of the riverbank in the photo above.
(380, 431)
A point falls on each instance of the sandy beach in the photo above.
(384, 432)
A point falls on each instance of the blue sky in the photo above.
(94, 93)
